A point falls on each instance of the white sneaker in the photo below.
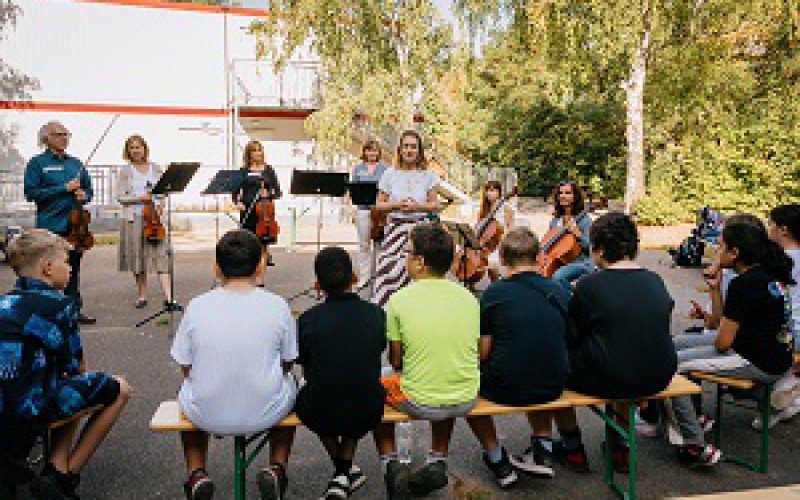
(780, 416)
(786, 392)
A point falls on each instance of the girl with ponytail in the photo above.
(754, 338)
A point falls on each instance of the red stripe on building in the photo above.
(72, 107)
(191, 7)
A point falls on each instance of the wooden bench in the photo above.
(168, 418)
(763, 392)
(775, 493)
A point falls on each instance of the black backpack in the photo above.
(690, 252)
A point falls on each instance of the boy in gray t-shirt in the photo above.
(236, 345)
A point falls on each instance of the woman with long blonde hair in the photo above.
(259, 182)
(134, 182)
(369, 170)
(406, 195)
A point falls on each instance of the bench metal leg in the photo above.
(239, 467)
(765, 411)
(629, 436)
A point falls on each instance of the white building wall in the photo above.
(91, 53)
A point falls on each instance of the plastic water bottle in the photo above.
(405, 441)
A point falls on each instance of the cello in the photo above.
(469, 264)
(560, 246)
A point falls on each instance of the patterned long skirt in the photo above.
(391, 273)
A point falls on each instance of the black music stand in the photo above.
(173, 180)
(363, 194)
(223, 182)
(319, 184)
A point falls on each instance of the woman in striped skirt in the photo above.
(406, 195)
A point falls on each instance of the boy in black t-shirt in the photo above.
(341, 342)
(523, 354)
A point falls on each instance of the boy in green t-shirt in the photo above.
(433, 327)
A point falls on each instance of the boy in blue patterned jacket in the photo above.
(43, 376)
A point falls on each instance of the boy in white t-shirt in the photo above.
(236, 345)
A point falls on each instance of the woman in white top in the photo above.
(136, 255)
(406, 194)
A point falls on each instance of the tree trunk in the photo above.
(634, 98)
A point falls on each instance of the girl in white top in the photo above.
(136, 255)
(406, 194)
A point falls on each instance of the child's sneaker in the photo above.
(338, 487)
(357, 478)
(574, 460)
(536, 460)
(699, 456)
(781, 416)
(706, 422)
(396, 478)
(272, 482)
(431, 477)
(54, 485)
(503, 471)
(199, 486)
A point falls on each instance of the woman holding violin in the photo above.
(499, 225)
(369, 170)
(254, 198)
(142, 242)
(569, 214)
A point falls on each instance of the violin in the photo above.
(560, 246)
(79, 235)
(267, 227)
(153, 230)
(378, 219)
(470, 264)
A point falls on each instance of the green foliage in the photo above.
(721, 97)
(378, 58)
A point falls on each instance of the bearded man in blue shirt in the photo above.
(55, 182)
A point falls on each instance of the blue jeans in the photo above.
(567, 274)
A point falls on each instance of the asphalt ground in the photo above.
(134, 463)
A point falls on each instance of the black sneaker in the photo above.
(199, 486)
(699, 456)
(272, 482)
(338, 487)
(357, 478)
(537, 460)
(397, 475)
(574, 460)
(14, 471)
(503, 471)
(172, 306)
(54, 485)
(431, 477)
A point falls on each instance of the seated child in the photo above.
(341, 346)
(236, 345)
(523, 354)
(754, 339)
(433, 327)
(620, 346)
(784, 229)
(43, 374)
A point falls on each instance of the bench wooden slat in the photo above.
(776, 493)
(735, 382)
(81, 414)
(168, 417)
